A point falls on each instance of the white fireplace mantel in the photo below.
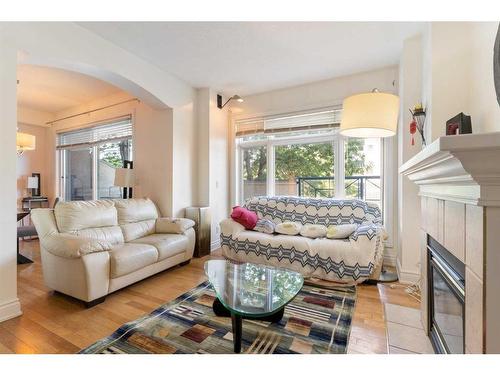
(463, 168)
(459, 181)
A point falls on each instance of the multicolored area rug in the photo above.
(317, 321)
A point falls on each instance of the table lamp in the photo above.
(32, 184)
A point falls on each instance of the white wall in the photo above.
(34, 117)
(317, 95)
(410, 93)
(203, 164)
(462, 75)
(219, 167)
(9, 303)
(213, 167)
(33, 162)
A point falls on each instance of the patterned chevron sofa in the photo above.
(349, 260)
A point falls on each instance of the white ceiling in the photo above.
(252, 57)
(52, 90)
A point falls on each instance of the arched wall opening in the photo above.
(171, 103)
(152, 123)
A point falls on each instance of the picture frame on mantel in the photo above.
(460, 124)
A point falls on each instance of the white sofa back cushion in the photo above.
(136, 217)
(325, 211)
(92, 219)
(135, 210)
(77, 215)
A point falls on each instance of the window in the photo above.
(254, 171)
(363, 169)
(88, 159)
(305, 169)
(304, 155)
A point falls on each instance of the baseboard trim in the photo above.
(405, 276)
(10, 309)
(215, 245)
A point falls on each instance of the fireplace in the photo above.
(446, 299)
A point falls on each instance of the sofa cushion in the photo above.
(135, 210)
(248, 240)
(167, 245)
(132, 231)
(113, 235)
(77, 215)
(173, 225)
(265, 226)
(344, 259)
(244, 216)
(313, 230)
(129, 257)
(288, 227)
(341, 231)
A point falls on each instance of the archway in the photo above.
(68, 46)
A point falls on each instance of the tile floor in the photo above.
(404, 331)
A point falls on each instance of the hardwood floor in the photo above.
(54, 323)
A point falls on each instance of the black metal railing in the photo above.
(355, 186)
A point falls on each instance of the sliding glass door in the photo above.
(111, 156)
(88, 158)
(78, 176)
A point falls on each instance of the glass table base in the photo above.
(237, 320)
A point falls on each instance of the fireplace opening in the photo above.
(446, 281)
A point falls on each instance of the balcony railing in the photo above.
(362, 187)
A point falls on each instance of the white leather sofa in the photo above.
(92, 248)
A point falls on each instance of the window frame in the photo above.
(62, 159)
(61, 154)
(338, 141)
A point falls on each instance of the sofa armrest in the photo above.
(230, 227)
(368, 231)
(70, 246)
(173, 225)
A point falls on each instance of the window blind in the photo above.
(103, 132)
(290, 123)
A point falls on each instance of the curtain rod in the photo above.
(92, 110)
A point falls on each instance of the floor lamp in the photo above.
(371, 115)
(125, 178)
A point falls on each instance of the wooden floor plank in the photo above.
(54, 323)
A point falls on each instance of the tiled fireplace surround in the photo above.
(459, 188)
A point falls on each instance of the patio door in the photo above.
(88, 158)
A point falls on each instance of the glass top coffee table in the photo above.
(251, 291)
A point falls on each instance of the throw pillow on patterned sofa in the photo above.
(265, 226)
(340, 231)
(313, 230)
(244, 217)
(289, 228)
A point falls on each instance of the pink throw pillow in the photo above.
(245, 217)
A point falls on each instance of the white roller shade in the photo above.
(248, 127)
(289, 123)
(303, 121)
(106, 132)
